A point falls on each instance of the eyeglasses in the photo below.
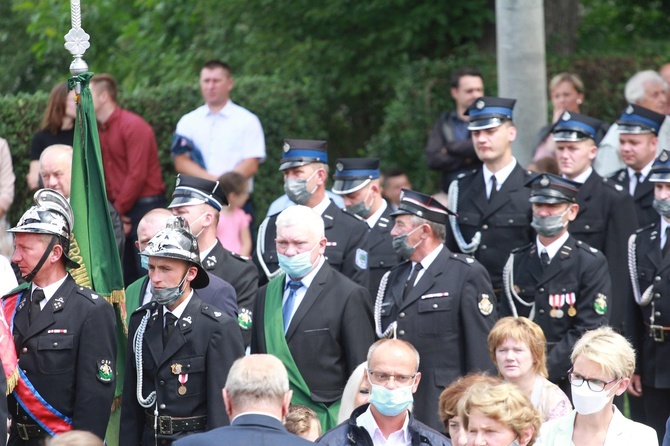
(380, 378)
(596, 385)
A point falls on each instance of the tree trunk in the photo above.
(561, 21)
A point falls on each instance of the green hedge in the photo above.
(286, 109)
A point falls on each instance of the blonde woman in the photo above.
(518, 349)
(603, 363)
(498, 415)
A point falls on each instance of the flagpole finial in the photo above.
(76, 40)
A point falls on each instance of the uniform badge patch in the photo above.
(600, 304)
(105, 371)
(361, 258)
(485, 306)
(244, 319)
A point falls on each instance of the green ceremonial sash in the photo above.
(275, 341)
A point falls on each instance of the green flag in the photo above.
(93, 244)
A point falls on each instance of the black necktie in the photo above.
(38, 296)
(638, 180)
(494, 188)
(170, 320)
(409, 285)
(544, 257)
(666, 247)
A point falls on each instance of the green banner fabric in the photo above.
(275, 340)
(93, 244)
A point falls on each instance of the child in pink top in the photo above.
(233, 229)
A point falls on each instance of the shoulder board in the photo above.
(523, 248)
(212, 312)
(240, 257)
(18, 289)
(466, 174)
(90, 294)
(646, 228)
(617, 187)
(151, 305)
(587, 248)
(463, 258)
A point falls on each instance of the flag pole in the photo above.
(77, 41)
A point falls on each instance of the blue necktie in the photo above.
(287, 309)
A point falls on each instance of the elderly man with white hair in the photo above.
(646, 89)
(313, 318)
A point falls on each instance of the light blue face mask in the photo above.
(391, 402)
(144, 260)
(297, 266)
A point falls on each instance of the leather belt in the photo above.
(657, 332)
(168, 425)
(28, 431)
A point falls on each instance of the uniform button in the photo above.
(587, 226)
(24, 350)
(162, 406)
(510, 221)
(483, 247)
(485, 227)
(24, 417)
(381, 263)
(657, 295)
(657, 279)
(401, 315)
(188, 366)
(401, 332)
(658, 313)
(541, 311)
(55, 344)
(161, 382)
(435, 305)
(541, 290)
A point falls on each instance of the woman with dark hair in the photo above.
(57, 128)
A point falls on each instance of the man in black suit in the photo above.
(304, 164)
(440, 302)
(638, 140)
(606, 216)
(181, 348)
(491, 202)
(558, 282)
(256, 397)
(199, 201)
(649, 303)
(313, 318)
(64, 334)
(357, 181)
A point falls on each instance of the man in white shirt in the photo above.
(393, 373)
(220, 136)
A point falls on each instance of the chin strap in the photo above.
(31, 275)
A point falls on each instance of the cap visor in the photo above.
(343, 187)
(483, 124)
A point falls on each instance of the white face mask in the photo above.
(587, 401)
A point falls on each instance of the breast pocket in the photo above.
(55, 353)
(190, 373)
(645, 276)
(469, 219)
(434, 316)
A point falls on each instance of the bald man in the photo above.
(55, 167)
(218, 293)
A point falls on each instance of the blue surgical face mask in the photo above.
(296, 189)
(297, 266)
(391, 402)
(168, 296)
(401, 247)
(144, 260)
